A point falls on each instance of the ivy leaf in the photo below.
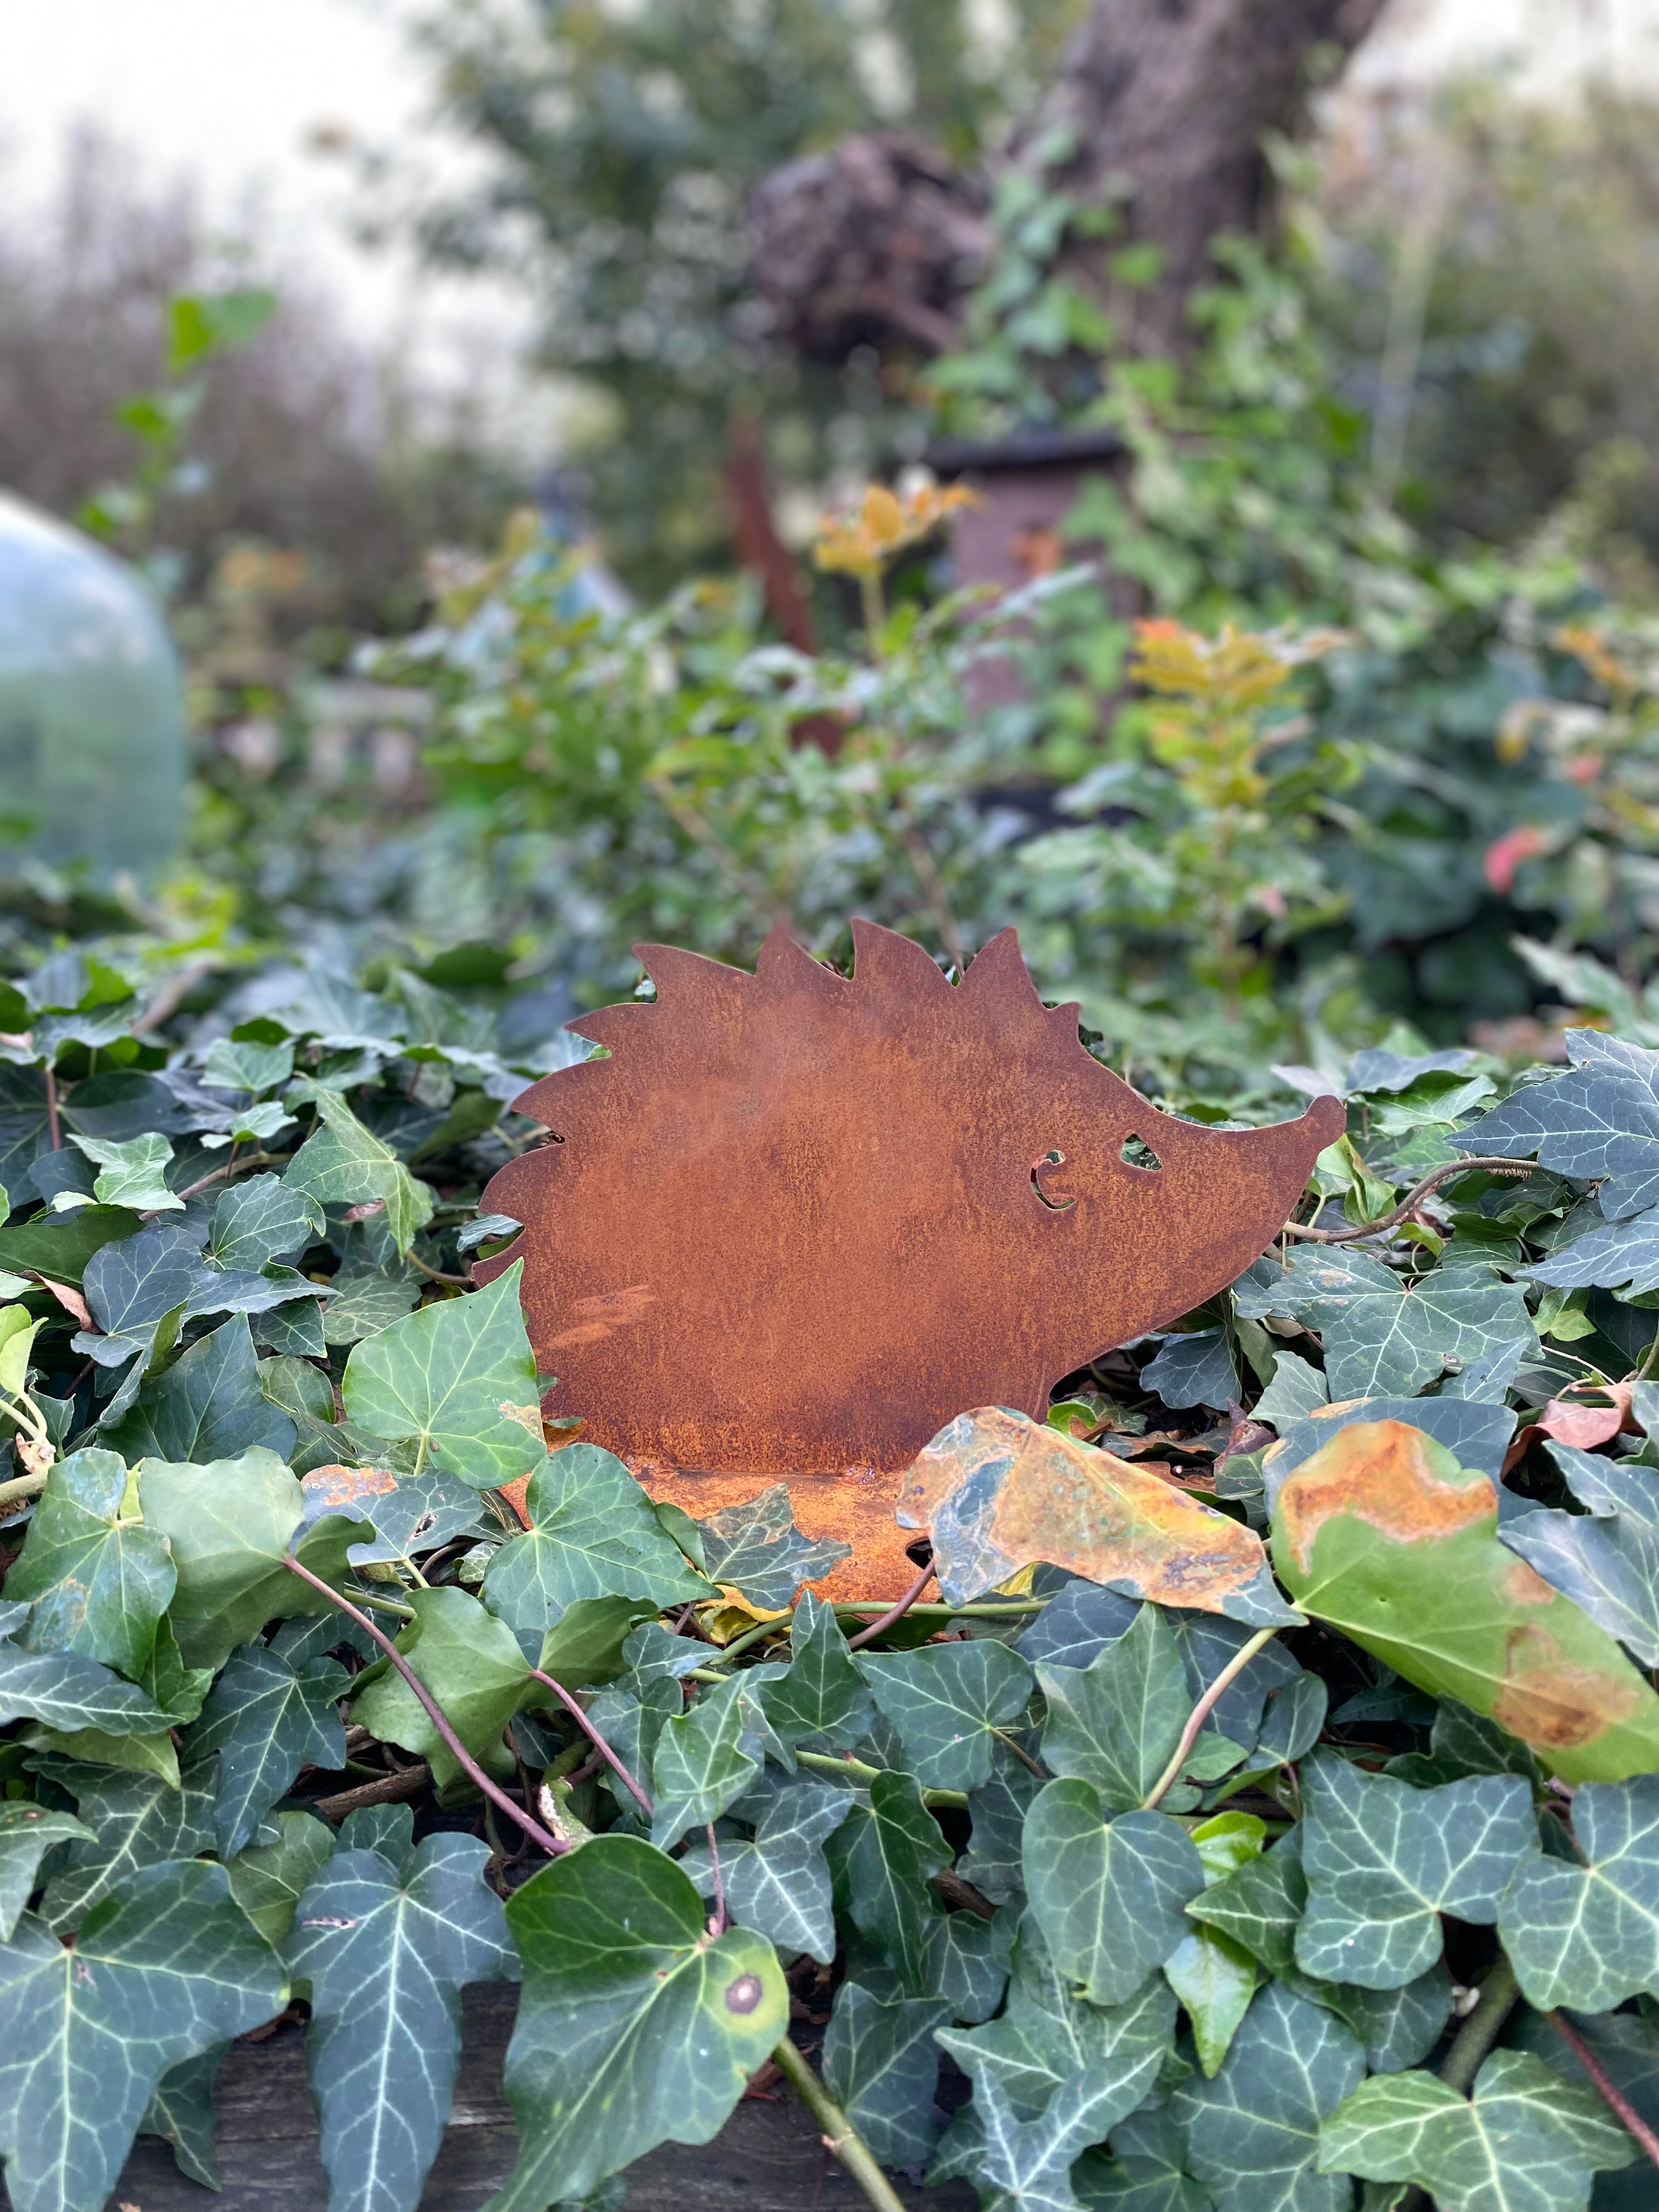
(1259, 1905)
(756, 1549)
(181, 2112)
(823, 1700)
(207, 1406)
(1384, 1860)
(1145, 2173)
(95, 1580)
(586, 1643)
(1379, 1338)
(1294, 1721)
(1214, 1979)
(1253, 2133)
(28, 1832)
(1116, 1723)
(162, 1973)
(268, 1879)
(1606, 1558)
(966, 1964)
(997, 1491)
(341, 1164)
(231, 1065)
(1585, 1932)
(992, 1860)
(471, 1664)
(881, 2066)
(363, 1303)
(779, 1883)
(948, 1701)
(387, 1950)
(1615, 1255)
(66, 1691)
(1398, 2028)
(228, 1525)
(1370, 1535)
(593, 1533)
(61, 1247)
(882, 1858)
(132, 1174)
(418, 1513)
(131, 1284)
(459, 1379)
(1527, 2140)
(1075, 1627)
(1600, 1119)
(262, 1219)
(633, 2029)
(1627, 2047)
(266, 1720)
(1196, 1370)
(1026, 2166)
(1108, 1898)
(1046, 2034)
(702, 1764)
(137, 1820)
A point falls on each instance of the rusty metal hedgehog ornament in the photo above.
(795, 1221)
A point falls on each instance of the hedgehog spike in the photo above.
(608, 1025)
(686, 974)
(1065, 1020)
(785, 964)
(998, 973)
(882, 959)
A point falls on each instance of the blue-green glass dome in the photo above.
(92, 733)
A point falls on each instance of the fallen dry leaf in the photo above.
(997, 1491)
(69, 1298)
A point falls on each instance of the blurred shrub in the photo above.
(297, 443)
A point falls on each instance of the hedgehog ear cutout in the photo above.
(785, 964)
(686, 977)
(882, 959)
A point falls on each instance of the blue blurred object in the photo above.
(92, 726)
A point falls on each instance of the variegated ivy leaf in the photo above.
(1384, 1860)
(167, 1969)
(777, 1881)
(1584, 1932)
(756, 1549)
(1526, 2141)
(881, 2066)
(949, 1702)
(387, 1945)
(1253, 2134)
(1109, 1896)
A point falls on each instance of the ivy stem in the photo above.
(20, 1488)
(1205, 1706)
(552, 1844)
(1470, 1165)
(894, 1613)
(1605, 2085)
(854, 1770)
(56, 1133)
(841, 2138)
(593, 1737)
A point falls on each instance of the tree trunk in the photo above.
(1161, 106)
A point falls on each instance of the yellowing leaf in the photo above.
(1384, 1535)
(997, 1491)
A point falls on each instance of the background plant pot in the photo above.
(769, 2157)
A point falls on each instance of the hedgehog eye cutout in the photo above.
(1137, 1153)
(1051, 1159)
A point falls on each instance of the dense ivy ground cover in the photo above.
(1288, 1838)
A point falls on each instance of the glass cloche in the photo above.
(92, 733)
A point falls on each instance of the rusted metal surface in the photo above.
(796, 1221)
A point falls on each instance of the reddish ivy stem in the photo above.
(1469, 1165)
(1201, 1712)
(1606, 2088)
(894, 1613)
(593, 1737)
(552, 1844)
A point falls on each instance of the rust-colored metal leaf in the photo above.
(997, 1491)
(795, 1221)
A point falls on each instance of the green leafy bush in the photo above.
(1131, 1878)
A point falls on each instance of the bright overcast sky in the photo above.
(229, 91)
